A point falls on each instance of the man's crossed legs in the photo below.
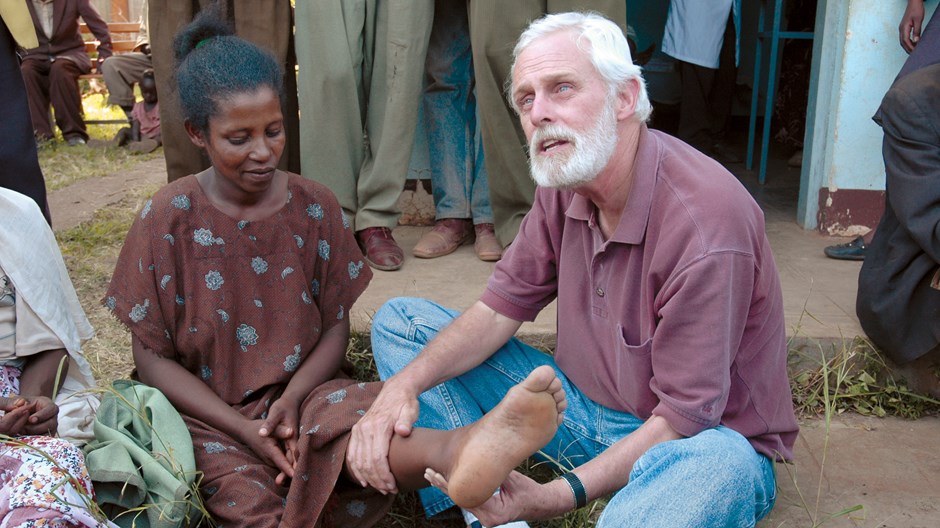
(712, 479)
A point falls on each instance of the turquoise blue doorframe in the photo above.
(774, 34)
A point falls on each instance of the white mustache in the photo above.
(551, 132)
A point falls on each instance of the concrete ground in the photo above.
(889, 467)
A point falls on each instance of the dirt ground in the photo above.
(890, 467)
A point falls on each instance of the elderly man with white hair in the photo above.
(671, 339)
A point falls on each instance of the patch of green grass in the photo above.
(63, 165)
(853, 376)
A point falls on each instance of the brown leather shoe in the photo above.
(486, 245)
(380, 249)
(448, 235)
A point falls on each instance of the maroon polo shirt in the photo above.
(678, 314)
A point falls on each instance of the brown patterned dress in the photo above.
(240, 305)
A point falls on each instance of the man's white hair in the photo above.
(604, 43)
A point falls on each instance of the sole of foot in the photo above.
(523, 422)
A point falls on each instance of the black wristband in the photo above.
(577, 488)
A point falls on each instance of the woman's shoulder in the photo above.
(310, 192)
(184, 186)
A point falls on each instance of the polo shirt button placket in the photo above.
(599, 291)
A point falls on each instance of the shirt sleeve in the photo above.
(703, 311)
(133, 294)
(98, 27)
(341, 274)
(525, 280)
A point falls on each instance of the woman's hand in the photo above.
(282, 424)
(17, 414)
(271, 450)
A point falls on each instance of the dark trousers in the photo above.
(54, 81)
(707, 95)
(19, 163)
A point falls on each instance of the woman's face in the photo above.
(245, 139)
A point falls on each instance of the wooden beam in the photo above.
(120, 11)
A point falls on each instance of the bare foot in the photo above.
(520, 425)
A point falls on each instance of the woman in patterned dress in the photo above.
(236, 284)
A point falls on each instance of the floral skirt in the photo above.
(43, 480)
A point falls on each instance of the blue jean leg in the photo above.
(713, 479)
(458, 174)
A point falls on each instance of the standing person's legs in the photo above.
(694, 112)
(446, 103)
(120, 72)
(19, 161)
(36, 79)
(494, 28)
(714, 478)
(486, 245)
(332, 40)
(450, 150)
(402, 28)
(165, 19)
(721, 97)
(479, 181)
(67, 100)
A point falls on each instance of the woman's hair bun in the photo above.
(207, 25)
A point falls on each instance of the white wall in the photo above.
(855, 62)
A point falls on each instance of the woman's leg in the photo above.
(477, 458)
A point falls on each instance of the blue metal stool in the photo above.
(774, 34)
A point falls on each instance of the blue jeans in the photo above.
(454, 143)
(713, 479)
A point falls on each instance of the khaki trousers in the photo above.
(361, 66)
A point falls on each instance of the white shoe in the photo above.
(473, 522)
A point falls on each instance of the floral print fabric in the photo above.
(43, 480)
(240, 305)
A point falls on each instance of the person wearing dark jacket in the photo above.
(51, 70)
(898, 301)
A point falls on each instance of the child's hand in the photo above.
(17, 413)
(44, 419)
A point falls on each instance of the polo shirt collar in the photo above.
(632, 226)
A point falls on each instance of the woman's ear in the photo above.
(195, 135)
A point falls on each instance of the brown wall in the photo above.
(841, 209)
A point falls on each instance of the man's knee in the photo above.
(396, 332)
(713, 479)
(64, 71)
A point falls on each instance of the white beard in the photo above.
(593, 149)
